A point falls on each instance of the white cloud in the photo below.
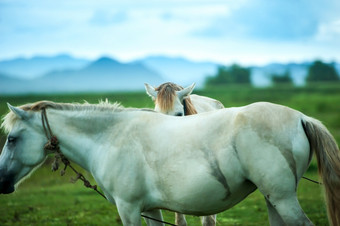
(247, 31)
(107, 17)
(329, 31)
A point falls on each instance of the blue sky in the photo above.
(226, 31)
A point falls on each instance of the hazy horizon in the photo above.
(175, 57)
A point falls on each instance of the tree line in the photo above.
(318, 71)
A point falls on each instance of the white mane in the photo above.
(102, 106)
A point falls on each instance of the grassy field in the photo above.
(48, 199)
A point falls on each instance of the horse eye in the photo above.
(179, 114)
(11, 140)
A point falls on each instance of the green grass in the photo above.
(49, 199)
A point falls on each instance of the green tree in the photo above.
(234, 74)
(321, 72)
(284, 78)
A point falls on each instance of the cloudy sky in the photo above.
(226, 31)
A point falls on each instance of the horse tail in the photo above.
(328, 159)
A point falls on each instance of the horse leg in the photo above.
(129, 213)
(285, 208)
(180, 219)
(275, 168)
(282, 202)
(274, 217)
(156, 214)
(209, 220)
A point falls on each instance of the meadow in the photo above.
(46, 198)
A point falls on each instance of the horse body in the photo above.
(204, 104)
(228, 164)
(201, 164)
(165, 171)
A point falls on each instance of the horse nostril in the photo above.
(179, 114)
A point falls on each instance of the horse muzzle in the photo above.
(6, 184)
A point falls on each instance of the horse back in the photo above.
(204, 104)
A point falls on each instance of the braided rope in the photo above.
(53, 145)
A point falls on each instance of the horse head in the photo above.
(23, 150)
(169, 98)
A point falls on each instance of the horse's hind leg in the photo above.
(285, 209)
(274, 217)
(283, 205)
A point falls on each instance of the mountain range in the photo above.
(180, 70)
(40, 65)
(63, 73)
(104, 74)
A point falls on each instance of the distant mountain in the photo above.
(11, 85)
(105, 74)
(64, 73)
(180, 70)
(29, 68)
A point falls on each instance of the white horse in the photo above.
(173, 99)
(178, 101)
(199, 165)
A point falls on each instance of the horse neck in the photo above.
(79, 135)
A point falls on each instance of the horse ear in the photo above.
(150, 91)
(18, 112)
(184, 93)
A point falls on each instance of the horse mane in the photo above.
(9, 119)
(166, 95)
(189, 107)
(101, 106)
